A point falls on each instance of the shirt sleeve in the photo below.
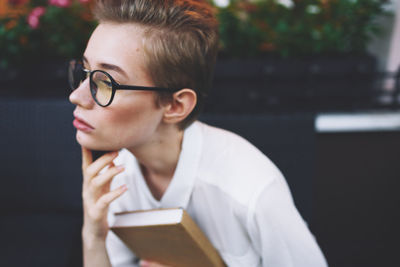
(278, 231)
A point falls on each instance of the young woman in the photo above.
(138, 91)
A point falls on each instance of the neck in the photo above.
(159, 157)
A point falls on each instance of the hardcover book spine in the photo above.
(203, 242)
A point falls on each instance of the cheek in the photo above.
(127, 126)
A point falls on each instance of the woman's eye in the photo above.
(106, 83)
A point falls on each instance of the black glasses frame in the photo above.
(114, 85)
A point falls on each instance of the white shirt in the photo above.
(236, 195)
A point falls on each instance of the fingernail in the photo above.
(124, 187)
(144, 263)
(120, 167)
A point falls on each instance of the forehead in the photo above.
(118, 44)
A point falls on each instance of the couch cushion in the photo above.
(40, 159)
(39, 240)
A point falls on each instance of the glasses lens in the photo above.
(76, 74)
(101, 87)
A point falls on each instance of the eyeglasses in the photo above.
(102, 85)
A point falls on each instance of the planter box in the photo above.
(306, 84)
(241, 86)
(46, 79)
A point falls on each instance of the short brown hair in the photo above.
(181, 41)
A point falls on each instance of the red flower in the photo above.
(60, 3)
(34, 16)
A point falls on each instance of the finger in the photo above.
(106, 177)
(93, 169)
(87, 157)
(145, 263)
(105, 200)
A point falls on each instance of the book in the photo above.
(166, 236)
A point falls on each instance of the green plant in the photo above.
(48, 30)
(44, 31)
(298, 28)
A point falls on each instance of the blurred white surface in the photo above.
(357, 122)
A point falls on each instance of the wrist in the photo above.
(91, 236)
(94, 250)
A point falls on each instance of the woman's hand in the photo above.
(144, 263)
(96, 192)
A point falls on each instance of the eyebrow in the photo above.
(108, 66)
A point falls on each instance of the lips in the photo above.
(82, 125)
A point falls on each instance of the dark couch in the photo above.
(40, 192)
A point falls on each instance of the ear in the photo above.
(181, 105)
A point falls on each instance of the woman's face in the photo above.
(133, 117)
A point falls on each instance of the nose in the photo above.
(81, 96)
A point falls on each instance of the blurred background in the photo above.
(334, 61)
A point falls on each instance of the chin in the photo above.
(92, 144)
